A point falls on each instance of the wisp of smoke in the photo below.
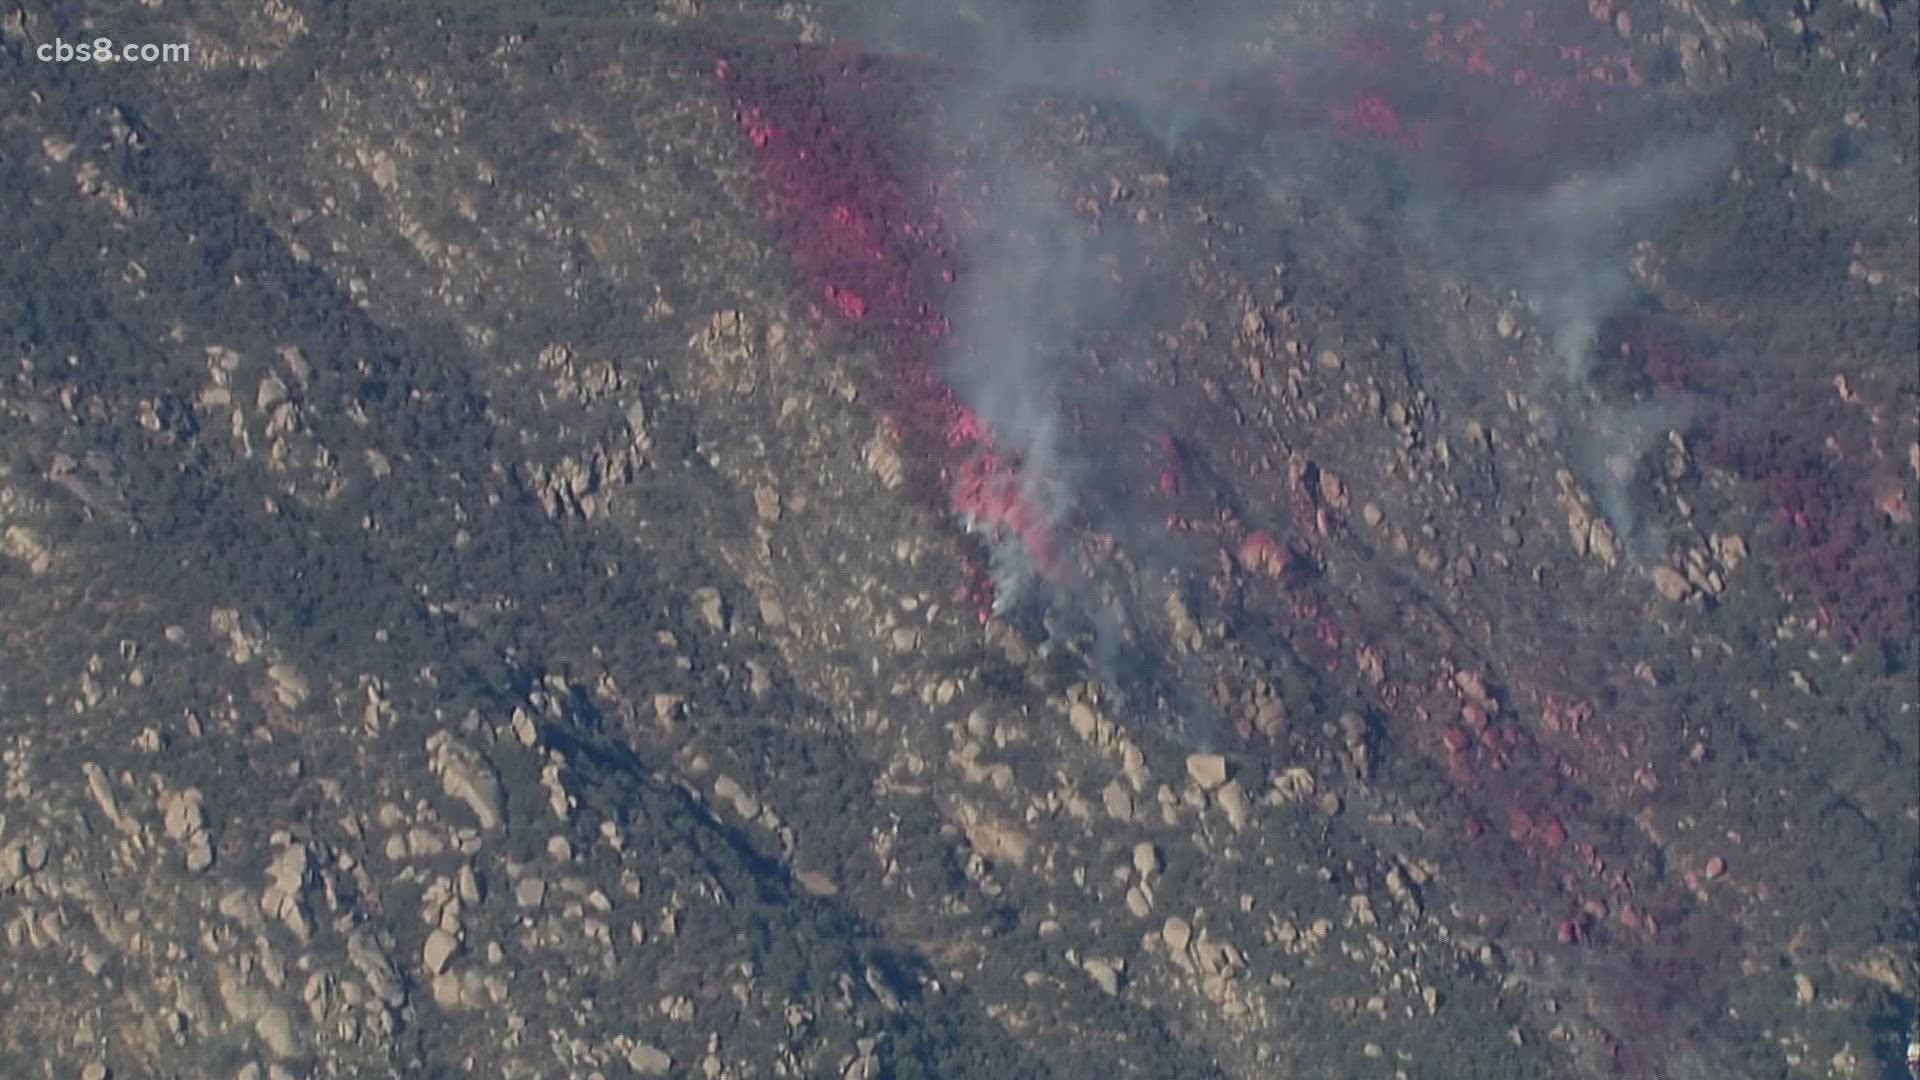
(1574, 269)
(1609, 457)
(1574, 238)
(1566, 250)
(1028, 285)
(1034, 288)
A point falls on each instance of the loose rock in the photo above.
(1209, 771)
(466, 775)
(649, 1060)
(439, 951)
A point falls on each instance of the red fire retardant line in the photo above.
(880, 262)
(880, 266)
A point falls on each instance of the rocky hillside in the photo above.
(484, 589)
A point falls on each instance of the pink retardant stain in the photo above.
(968, 428)
(849, 304)
(1261, 553)
(988, 489)
(1370, 115)
(881, 261)
(1172, 479)
(868, 241)
(857, 240)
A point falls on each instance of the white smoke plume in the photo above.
(1037, 286)
(1573, 242)
(1029, 287)
(1573, 268)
